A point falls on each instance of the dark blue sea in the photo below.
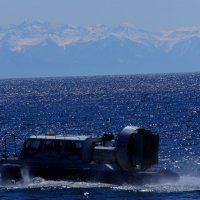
(168, 104)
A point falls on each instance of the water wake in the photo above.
(185, 184)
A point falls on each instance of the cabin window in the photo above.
(35, 145)
(58, 145)
(53, 145)
(48, 145)
(73, 146)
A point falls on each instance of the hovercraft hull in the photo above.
(150, 176)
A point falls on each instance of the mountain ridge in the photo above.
(43, 49)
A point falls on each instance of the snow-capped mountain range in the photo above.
(46, 49)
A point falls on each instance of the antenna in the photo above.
(4, 155)
(15, 145)
(107, 124)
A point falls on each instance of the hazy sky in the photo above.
(147, 14)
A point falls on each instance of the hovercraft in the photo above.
(129, 157)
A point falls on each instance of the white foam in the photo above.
(186, 183)
(43, 184)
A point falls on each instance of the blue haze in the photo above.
(153, 15)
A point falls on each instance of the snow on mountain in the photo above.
(170, 38)
(27, 34)
(96, 49)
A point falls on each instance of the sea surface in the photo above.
(168, 104)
